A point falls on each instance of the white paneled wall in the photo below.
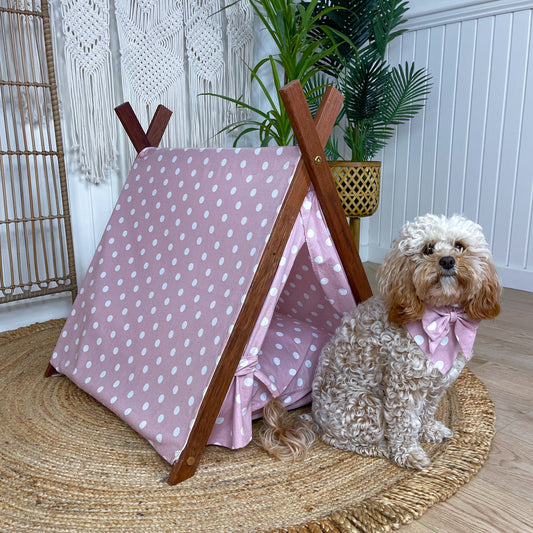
(471, 150)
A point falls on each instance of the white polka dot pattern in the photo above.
(165, 286)
(298, 317)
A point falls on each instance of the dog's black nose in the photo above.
(447, 263)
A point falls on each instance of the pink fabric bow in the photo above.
(442, 333)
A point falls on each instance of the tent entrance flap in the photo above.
(304, 305)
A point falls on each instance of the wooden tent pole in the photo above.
(138, 137)
(311, 145)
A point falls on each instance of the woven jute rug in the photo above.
(69, 464)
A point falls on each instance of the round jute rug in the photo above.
(69, 464)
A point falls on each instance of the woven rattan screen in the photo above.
(35, 237)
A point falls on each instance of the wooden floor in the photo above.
(500, 498)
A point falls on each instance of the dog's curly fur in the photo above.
(375, 392)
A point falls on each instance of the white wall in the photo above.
(470, 151)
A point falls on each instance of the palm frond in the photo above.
(314, 90)
(388, 16)
(406, 93)
(363, 84)
(332, 149)
(352, 19)
(366, 138)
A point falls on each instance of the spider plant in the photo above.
(304, 41)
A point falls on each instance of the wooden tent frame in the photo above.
(311, 135)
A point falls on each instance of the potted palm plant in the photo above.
(378, 96)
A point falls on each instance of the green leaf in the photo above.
(389, 14)
(406, 93)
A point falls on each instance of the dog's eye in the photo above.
(459, 246)
(429, 249)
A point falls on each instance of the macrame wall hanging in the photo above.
(171, 51)
(90, 84)
(152, 38)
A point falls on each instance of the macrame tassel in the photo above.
(205, 54)
(88, 67)
(240, 19)
(151, 37)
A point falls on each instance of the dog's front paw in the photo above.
(435, 431)
(412, 457)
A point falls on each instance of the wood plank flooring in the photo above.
(500, 498)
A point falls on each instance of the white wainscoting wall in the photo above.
(470, 151)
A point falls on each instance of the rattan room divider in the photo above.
(36, 252)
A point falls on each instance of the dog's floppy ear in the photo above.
(396, 286)
(485, 301)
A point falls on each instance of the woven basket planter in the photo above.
(358, 186)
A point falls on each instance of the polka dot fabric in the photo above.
(306, 301)
(166, 283)
(442, 333)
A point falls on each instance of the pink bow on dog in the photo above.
(442, 333)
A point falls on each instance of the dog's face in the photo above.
(439, 261)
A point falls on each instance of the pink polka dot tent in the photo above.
(217, 281)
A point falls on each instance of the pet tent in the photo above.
(219, 277)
